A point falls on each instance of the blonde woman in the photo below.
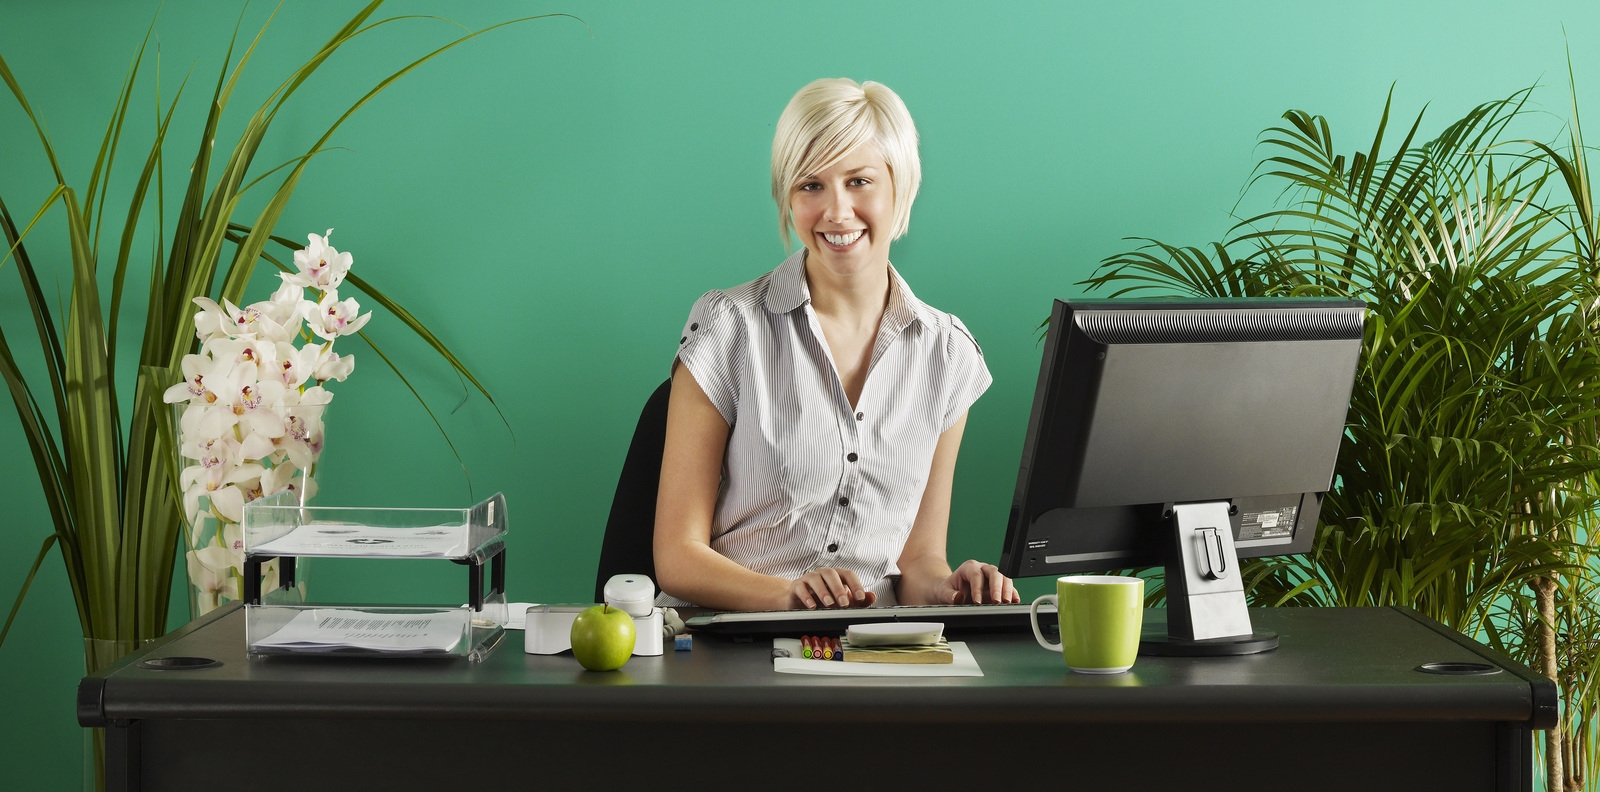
(816, 415)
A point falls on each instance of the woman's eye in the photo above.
(809, 187)
(859, 182)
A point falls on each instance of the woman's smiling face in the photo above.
(844, 214)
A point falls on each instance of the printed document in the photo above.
(339, 629)
(347, 539)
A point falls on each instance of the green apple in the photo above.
(602, 638)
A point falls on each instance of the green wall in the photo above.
(552, 198)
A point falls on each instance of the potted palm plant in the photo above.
(1467, 483)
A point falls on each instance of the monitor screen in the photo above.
(1144, 404)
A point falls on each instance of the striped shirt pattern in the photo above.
(808, 480)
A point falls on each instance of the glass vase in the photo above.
(214, 560)
(214, 544)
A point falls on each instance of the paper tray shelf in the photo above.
(279, 526)
(375, 630)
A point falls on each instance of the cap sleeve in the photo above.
(968, 374)
(712, 346)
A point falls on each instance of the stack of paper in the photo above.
(340, 630)
(346, 539)
(936, 654)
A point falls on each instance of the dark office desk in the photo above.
(1338, 706)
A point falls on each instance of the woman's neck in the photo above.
(854, 300)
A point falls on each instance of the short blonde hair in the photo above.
(828, 119)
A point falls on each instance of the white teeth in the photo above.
(843, 240)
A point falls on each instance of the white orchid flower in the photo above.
(319, 265)
(334, 318)
(254, 405)
(211, 573)
(233, 542)
(230, 320)
(254, 447)
(295, 366)
(260, 355)
(212, 321)
(278, 478)
(302, 438)
(237, 393)
(211, 452)
(280, 316)
(221, 484)
(333, 366)
(196, 371)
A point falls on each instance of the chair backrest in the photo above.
(630, 530)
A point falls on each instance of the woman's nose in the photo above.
(839, 209)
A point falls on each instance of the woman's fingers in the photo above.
(834, 591)
(829, 587)
(979, 583)
(800, 590)
(855, 593)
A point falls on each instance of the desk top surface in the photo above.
(1339, 664)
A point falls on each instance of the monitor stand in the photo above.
(1206, 612)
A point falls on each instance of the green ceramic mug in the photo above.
(1100, 617)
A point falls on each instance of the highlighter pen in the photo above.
(805, 646)
(838, 650)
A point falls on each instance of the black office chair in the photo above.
(630, 530)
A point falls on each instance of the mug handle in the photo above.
(1033, 621)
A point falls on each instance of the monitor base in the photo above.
(1159, 645)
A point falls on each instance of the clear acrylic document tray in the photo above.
(278, 527)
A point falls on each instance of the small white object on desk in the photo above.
(549, 630)
(895, 634)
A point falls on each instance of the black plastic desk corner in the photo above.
(1546, 697)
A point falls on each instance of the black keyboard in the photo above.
(963, 618)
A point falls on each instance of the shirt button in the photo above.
(852, 457)
(681, 340)
(859, 416)
(694, 327)
(833, 547)
(844, 501)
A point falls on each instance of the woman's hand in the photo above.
(977, 583)
(830, 587)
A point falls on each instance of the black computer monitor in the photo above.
(1186, 434)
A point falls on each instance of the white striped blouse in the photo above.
(809, 481)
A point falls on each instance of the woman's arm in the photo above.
(686, 566)
(925, 576)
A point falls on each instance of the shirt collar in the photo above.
(788, 290)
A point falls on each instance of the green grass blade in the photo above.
(27, 583)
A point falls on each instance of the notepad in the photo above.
(932, 654)
(962, 664)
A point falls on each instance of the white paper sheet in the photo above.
(346, 539)
(338, 629)
(963, 664)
